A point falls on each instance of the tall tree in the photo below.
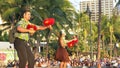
(41, 9)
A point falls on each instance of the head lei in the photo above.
(63, 32)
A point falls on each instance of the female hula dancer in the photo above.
(61, 53)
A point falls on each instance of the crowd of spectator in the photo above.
(81, 62)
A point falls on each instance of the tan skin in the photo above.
(27, 17)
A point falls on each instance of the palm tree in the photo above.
(11, 11)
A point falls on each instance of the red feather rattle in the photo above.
(73, 42)
(48, 21)
(31, 26)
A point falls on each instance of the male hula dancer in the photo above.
(21, 41)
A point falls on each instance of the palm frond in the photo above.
(118, 3)
(4, 24)
(5, 28)
(35, 13)
(10, 12)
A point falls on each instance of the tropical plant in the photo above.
(11, 12)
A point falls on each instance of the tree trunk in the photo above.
(99, 36)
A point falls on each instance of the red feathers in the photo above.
(48, 21)
(72, 43)
(30, 26)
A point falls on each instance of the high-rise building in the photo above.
(106, 8)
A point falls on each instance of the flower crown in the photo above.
(63, 32)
